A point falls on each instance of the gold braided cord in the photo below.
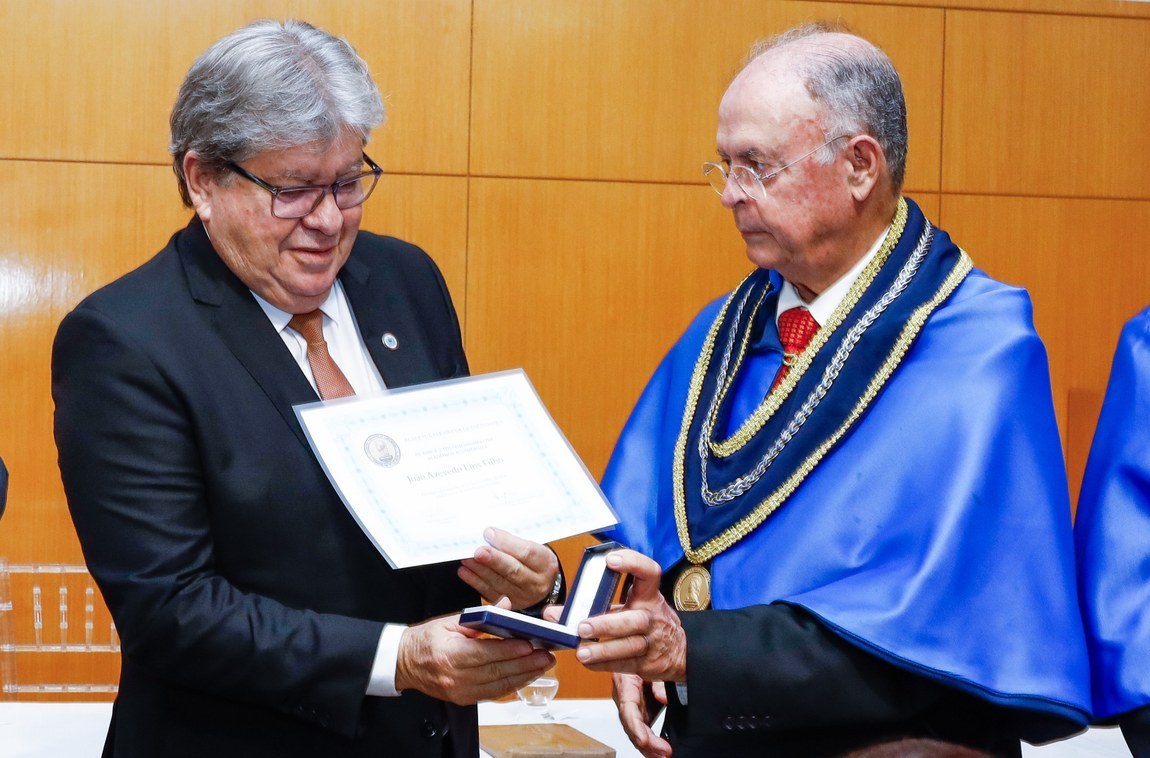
(774, 399)
(753, 520)
(692, 402)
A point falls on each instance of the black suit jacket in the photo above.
(773, 680)
(248, 601)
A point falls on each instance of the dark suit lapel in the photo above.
(373, 302)
(240, 322)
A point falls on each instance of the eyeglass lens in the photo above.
(298, 202)
(750, 182)
(747, 180)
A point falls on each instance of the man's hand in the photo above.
(644, 636)
(634, 697)
(450, 662)
(518, 569)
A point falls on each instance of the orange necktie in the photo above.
(796, 327)
(329, 380)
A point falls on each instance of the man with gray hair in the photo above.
(843, 489)
(256, 617)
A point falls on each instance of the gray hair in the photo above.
(266, 86)
(857, 84)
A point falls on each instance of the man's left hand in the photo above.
(643, 637)
(442, 659)
(636, 713)
(520, 570)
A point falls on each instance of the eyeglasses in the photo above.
(750, 181)
(297, 202)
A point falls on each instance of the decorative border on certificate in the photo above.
(425, 469)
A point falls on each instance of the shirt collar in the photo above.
(280, 319)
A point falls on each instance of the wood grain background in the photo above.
(547, 154)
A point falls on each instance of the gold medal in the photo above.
(693, 589)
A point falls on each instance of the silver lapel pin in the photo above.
(389, 341)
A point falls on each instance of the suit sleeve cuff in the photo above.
(382, 682)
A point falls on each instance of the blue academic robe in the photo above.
(936, 535)
(1112, 532)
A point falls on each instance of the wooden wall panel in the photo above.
(1046, 105)
(609, 90)
(1082, 262)
(1112, 8)
(71, 228)
(928, 203)
(586, 284)
(95, 81)
(429, 211)
(1083, 406)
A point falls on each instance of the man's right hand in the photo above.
(450, 662)
(635, 713)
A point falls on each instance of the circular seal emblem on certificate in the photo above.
(693, 589)
(382, 450)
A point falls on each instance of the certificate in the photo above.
(424, 470)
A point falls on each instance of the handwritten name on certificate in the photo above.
(425, 469)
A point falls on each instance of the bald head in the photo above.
(806, 129)
(851, 80)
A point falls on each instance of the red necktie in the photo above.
(329, 380)
(796, 327)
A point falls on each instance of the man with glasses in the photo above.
(256, 617)
(843, 489)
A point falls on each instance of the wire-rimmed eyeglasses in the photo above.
(750, 181)
(297, 202)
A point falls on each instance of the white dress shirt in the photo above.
(347, 349)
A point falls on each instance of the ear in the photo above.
(201, 184)
(867, 166)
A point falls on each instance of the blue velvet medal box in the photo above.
(590, 595)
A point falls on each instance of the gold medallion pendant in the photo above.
(693, 589)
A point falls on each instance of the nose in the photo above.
(327, 216)
(732, 193)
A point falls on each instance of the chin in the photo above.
(766, 259)
(316, 285)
